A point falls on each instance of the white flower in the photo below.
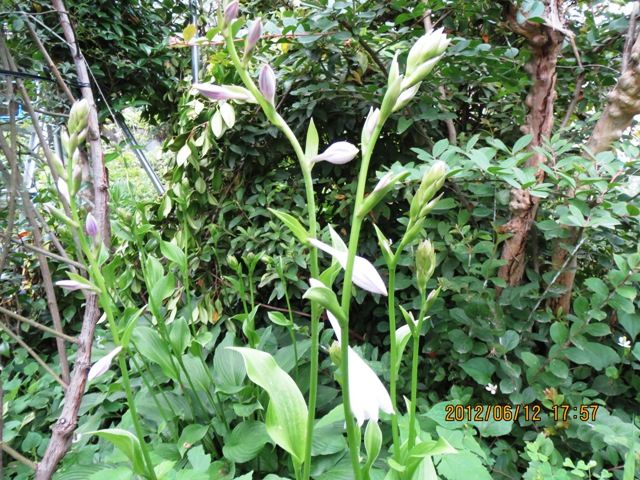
(491, 388)
(624, 342)
(73, 285)
(337, 153)
(365, 274)
(224, 92)
(367, 393)
(370, 124)
(102, 365)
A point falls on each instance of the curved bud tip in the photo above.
(370, 124)
(224, 92)
(231, 12)
(91, 226)
(254, 34)
(338, 153)
(267, 83)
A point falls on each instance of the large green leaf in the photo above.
(153, 348)
(127, 443)
(287, 411)
(245, 441)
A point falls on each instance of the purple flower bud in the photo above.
(91, 226)
(267, 83)
(231, 12)
(224, 92)
(255, 31)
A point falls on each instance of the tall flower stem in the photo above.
(107, 306)
(279, 122)
(394, 356)
(356, 224)
(414, 370)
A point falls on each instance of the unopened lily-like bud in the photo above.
(418, 75)
(232, 262)
(63, 189)
(370, 125)
(231, 12)
(428, 46)
(76, 179)
(60, 215)
(338, 153)
(391, 96)
(406, 96)
(425, 264)
(394, 71)
(224, 92)
(335, 353)
(58, 165)
(91, 225)
(255, 31)
(102, 365)
(267, 83)
(78, 116)
(73, 285)
(384, 181)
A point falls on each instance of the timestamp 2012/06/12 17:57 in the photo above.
(528, 412)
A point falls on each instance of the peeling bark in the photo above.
(545, 41)
(623, 103)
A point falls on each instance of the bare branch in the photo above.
(33, 354)
(49, 254)
(35, 324)
(17, 455)
(631, 36)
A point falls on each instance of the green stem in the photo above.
(279, 122)
(356, 224)
(394, 358)
(414, 371)
(134, 416)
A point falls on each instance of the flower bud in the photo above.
(267, 83)
(255, 31)
(422, 71)
(224, 92)
(335, 354)
(370, 125)
(394, 71)
(91, 226)
(63, 189)
(432, 181)
(338, 153)
(58, 165)
(406, 96)
(425, 264)
(231, 12)
(232, 262)
(76, 179)
(78, 116)
(428, 46)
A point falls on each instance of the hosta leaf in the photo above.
(287, 411)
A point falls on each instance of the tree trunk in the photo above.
(545, 41)
(623, 103)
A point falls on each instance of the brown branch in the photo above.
(29, 209)
(285, 310)
(62, 430)
(47, 253)
(37, 325)
(372, 53)
(17, 455)
(56, 73)
(33, 354)
(577, 93)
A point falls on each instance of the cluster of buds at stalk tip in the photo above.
(425, 263)
(70, 177)
(423, 201)
(423, 56)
